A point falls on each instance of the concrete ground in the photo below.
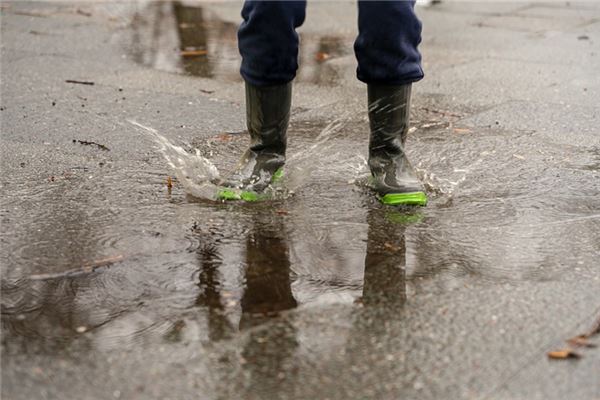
(114, 286)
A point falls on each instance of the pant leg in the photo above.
(386, 47)
(268, 41)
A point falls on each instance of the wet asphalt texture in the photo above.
(115, 286)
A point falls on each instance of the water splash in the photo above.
(198, 175)
(195, 172)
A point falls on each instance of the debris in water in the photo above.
(169, 184)
(563, 354)
(462, 130)
(80, 82)
(83, 12)
(207, 91)
(81, 329)
(321, 56)
(595, 329)
(577, 341)
(84, 269)
(86, 143)
(581, 341)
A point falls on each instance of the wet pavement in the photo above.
(116, 286)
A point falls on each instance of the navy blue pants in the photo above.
(386, 47)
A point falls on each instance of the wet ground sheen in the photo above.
(116, 286)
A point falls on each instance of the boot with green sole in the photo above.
(267, 118)
(392, 176)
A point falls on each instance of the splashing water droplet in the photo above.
(197, 174)
(194, 172)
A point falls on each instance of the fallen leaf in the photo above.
(193, 53)
(462, 130)
(390, 246)
(321, 56)
(282, 212)
(223, 137)
(581, 341)
(595, 329)
(563, 354)
(84, 12)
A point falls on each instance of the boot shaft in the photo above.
(389, 113)
(267, 117)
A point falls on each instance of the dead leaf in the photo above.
(390, 246)
(85, 13)
(321, 56)
(580, 341)
(595, 328)
(169, 184)
(193, 53)
(282, 212)
(223, 137)
(563, 354)
(462, 130)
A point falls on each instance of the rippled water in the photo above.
(104, 258)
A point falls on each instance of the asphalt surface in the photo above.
(115, 286)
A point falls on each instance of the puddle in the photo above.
(187, 39)
(110, 280)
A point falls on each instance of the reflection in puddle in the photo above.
(180, 38)
(176, 38)
(264, 295)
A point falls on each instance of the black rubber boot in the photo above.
(267, 117)
(393, 177)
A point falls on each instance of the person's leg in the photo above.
(386, 47)
(388, 62)
(268, 43)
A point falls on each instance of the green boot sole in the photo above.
(246, 195)
(411, 199)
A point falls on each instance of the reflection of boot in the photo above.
(385, 261)
(393, 177)
(267, 114)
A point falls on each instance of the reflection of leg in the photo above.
(270, 347)
(210, 262)
(193, 35)
(269, 355)
(268, 285)
(385, 262)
